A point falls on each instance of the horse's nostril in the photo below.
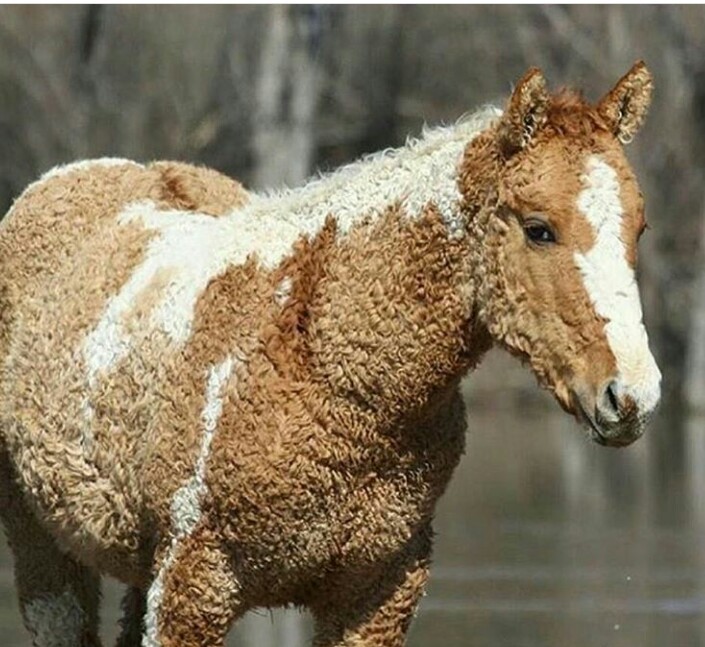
(611, 399)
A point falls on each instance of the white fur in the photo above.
(186, 504)
(283, 290)
(190, 247)
(612, 286)
(55, 620)
(194, 248)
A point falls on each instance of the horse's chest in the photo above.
(305, 517)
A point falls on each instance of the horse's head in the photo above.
(560, 250)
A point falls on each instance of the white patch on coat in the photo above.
(188, 245)
(195, 247)
(186, 504)
(282, 291)
(55, 620)
(611, 284)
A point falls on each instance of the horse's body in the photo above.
(231, 400)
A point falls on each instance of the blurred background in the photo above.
(543, 539)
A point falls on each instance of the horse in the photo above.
(231, 400)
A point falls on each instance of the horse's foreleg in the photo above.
(194, 597)
(377, 612)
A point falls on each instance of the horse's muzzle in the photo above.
(611, 414)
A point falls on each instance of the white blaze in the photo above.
(611, 284)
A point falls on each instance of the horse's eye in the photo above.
(539, 232)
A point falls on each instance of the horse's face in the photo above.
(564, 242)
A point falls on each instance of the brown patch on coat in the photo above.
(192, 188)
(369, 280)
(286, 339)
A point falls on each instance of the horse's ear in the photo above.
(624, 107)
(525, 112)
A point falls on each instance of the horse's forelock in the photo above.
(570, 114)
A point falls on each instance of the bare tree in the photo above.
(287, 93)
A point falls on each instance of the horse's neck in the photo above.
(387, 283)
(391, 320)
